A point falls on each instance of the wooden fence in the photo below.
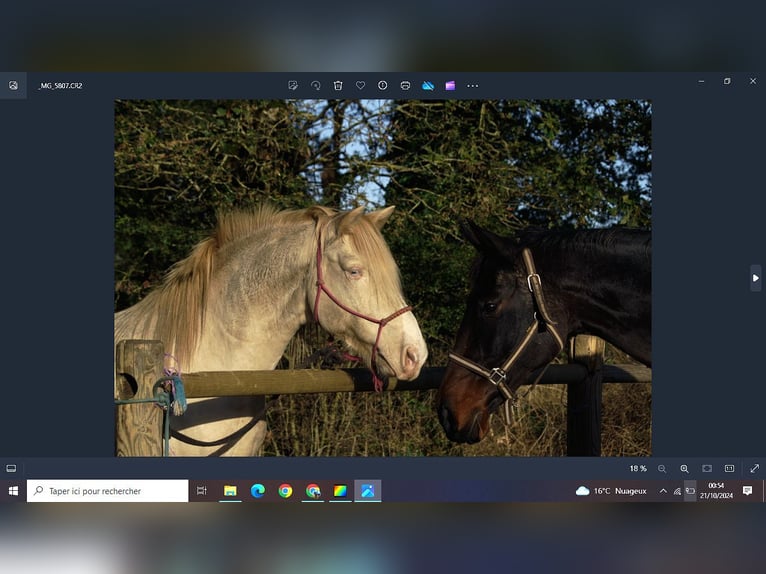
(138, 427)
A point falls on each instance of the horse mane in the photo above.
(623, 240)
(178, 304)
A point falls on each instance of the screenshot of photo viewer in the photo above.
(394, 287)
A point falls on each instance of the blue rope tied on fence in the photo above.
(171, 387)
(170, 396)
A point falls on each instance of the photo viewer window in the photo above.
(393, 287)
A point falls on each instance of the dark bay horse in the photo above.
(529, 294)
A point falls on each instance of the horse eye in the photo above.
(355, 273)
(489, 308)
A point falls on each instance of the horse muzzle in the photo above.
(463, 406)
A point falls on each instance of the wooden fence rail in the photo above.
(140, 362)
(307, 381)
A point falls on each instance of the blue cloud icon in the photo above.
(582, 491)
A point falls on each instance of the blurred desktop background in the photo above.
(381, 538)
(43, 35)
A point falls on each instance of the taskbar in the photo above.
(372, 490)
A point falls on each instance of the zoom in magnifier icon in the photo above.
(684, 468)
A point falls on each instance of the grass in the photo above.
(405, 423)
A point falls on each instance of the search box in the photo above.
(107, 490)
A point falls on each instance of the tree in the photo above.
(178, 162)
(506, 165)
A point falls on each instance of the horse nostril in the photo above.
(410, 357)
(411, 362)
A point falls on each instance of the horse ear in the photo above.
(348, 219)
(483, 239)
(317, 212)
(379, 217)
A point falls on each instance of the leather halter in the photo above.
(322, 287)
(541, 319)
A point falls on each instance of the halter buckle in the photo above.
(497, 377)
(529, 281)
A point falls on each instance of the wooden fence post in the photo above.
(584, 398)
(138, 427)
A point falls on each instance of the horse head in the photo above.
(358, 295)
(503, 338)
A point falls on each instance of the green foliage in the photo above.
(177, 162)
(506, 165)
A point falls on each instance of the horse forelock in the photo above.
(383, 272)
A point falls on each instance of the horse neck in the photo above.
(257, 301)
(600, 293)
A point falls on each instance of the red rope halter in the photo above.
(321, 287)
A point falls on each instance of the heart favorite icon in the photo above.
(360, 84)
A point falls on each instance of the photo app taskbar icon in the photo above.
(368, 491)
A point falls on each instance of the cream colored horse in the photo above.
(240, 296)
